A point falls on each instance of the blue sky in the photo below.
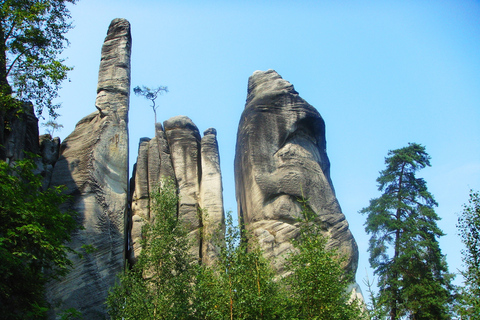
(381, 73)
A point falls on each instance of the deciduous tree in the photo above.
(33, 232)
(469, 230)
(318, 283)
(160, 284)
(32, 36)
(413, 278)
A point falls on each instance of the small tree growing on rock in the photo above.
(151, 94)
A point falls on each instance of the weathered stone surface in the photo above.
(281, 156)
(211, 199)
(94, 167)
(22, 135)
(140, 212)
(184, 141)
(179, 154)
(49, 151)
(153, 165)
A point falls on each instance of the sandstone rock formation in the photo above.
(281, 156)
(94, 167)
(153, 164)
(179, 153)
(22, 135)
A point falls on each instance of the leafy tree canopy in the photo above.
(32, 35)
(33, 232)
(413, 278)
(469, 230)
(319, 285)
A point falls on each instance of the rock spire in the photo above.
(281, 156)
(178, 152)
(93, 166)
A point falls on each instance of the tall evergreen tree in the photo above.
(413, 277)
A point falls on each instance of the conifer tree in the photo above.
(413, 278)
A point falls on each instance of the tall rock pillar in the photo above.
(94, 167)
(280, 157)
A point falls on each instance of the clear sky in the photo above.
(381, 73)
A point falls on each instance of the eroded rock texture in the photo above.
(178, 152)
(94, 167)
(281, 156)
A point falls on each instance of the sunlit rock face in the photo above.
(179, 153)
(93, 166)
(281, 157)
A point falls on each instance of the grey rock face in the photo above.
(94, 167)
(184, 141)
(22, 135)
(281, 156)
(194, 164)
(153, 164)
(211, 200)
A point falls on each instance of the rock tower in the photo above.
(93, 165)
(280, 157)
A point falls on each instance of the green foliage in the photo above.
(151, 94)
(469, 230)
(240, 284)
(404, 250)
(33, 232)
(318, 283)
(32, 36)
(165, 283)
(160, 284)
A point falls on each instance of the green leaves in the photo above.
(317, 281)
(240, 284)
(404, 250)
(32, 36)
(160, 284)
(33, 233)
(469, 231)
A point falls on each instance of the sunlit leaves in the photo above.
(33, 37)
(33, 233)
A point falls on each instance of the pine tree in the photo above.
(413, 277)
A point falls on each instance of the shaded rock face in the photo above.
(280, 157)
(93, 166)
(22, 135)
(178, 152)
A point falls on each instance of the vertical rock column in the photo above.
(211, 197)
(194, 164)
(154, 163)
(280, 157)
(184, 141)
(94, 166)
